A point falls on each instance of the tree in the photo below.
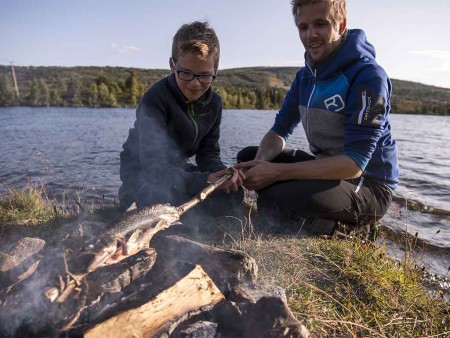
(103, 79)
(224, 95)
(73, 94)
(35, 93)
(55, 97)
(260, 98)
(8, 95)
(105, 98)
(93, 95)
(44, 98)
(132, 88)
(239, 100)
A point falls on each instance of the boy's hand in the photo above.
(233, 183)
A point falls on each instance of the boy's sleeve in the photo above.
(367, 109)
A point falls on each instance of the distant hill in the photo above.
(241, 88)
(257, 76)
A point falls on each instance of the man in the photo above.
(342, 99)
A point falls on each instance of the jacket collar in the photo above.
(353, 47)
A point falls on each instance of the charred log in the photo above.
(225, 267)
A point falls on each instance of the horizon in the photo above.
(411, 41)
(221, 69)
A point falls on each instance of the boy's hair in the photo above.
(338, 8)
(198, 38)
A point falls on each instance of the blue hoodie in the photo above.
(343, 103)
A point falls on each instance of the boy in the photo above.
(177, 118)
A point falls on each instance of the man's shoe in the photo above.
(319, 226)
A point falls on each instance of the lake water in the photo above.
(76, 150)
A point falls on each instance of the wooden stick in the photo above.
(204, 193)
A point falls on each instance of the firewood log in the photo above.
(153, 318)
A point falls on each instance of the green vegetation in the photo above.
(240, 88)
(30, 212)
(25, 206)
(339, 288)
(343, 288)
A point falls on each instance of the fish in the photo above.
(147, 221)
(143, 218)
(137, 227)
(130, 234)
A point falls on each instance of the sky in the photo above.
(411, 37)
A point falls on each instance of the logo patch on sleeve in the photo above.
(370, 109)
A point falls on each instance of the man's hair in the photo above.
(198, 38)
(338, 8)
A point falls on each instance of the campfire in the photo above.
(131, 280)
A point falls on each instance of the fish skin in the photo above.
(152, 216)
(141, 219)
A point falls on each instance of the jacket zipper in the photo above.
(191, 115)
(314, 73)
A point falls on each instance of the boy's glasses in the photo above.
(189, 76)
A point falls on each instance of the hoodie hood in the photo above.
(354, 47)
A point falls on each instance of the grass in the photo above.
(31, 212)
(348, 289)
(27, 206)
(336, 287)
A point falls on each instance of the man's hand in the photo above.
(258, 174)
(233, 183)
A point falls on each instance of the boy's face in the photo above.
(190, 63)
(319, 33)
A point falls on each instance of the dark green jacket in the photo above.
(167, 132)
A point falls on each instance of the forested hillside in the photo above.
(241, 88)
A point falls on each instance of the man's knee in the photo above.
(247, 154)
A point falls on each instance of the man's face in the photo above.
(190, 63)
(319, 34)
